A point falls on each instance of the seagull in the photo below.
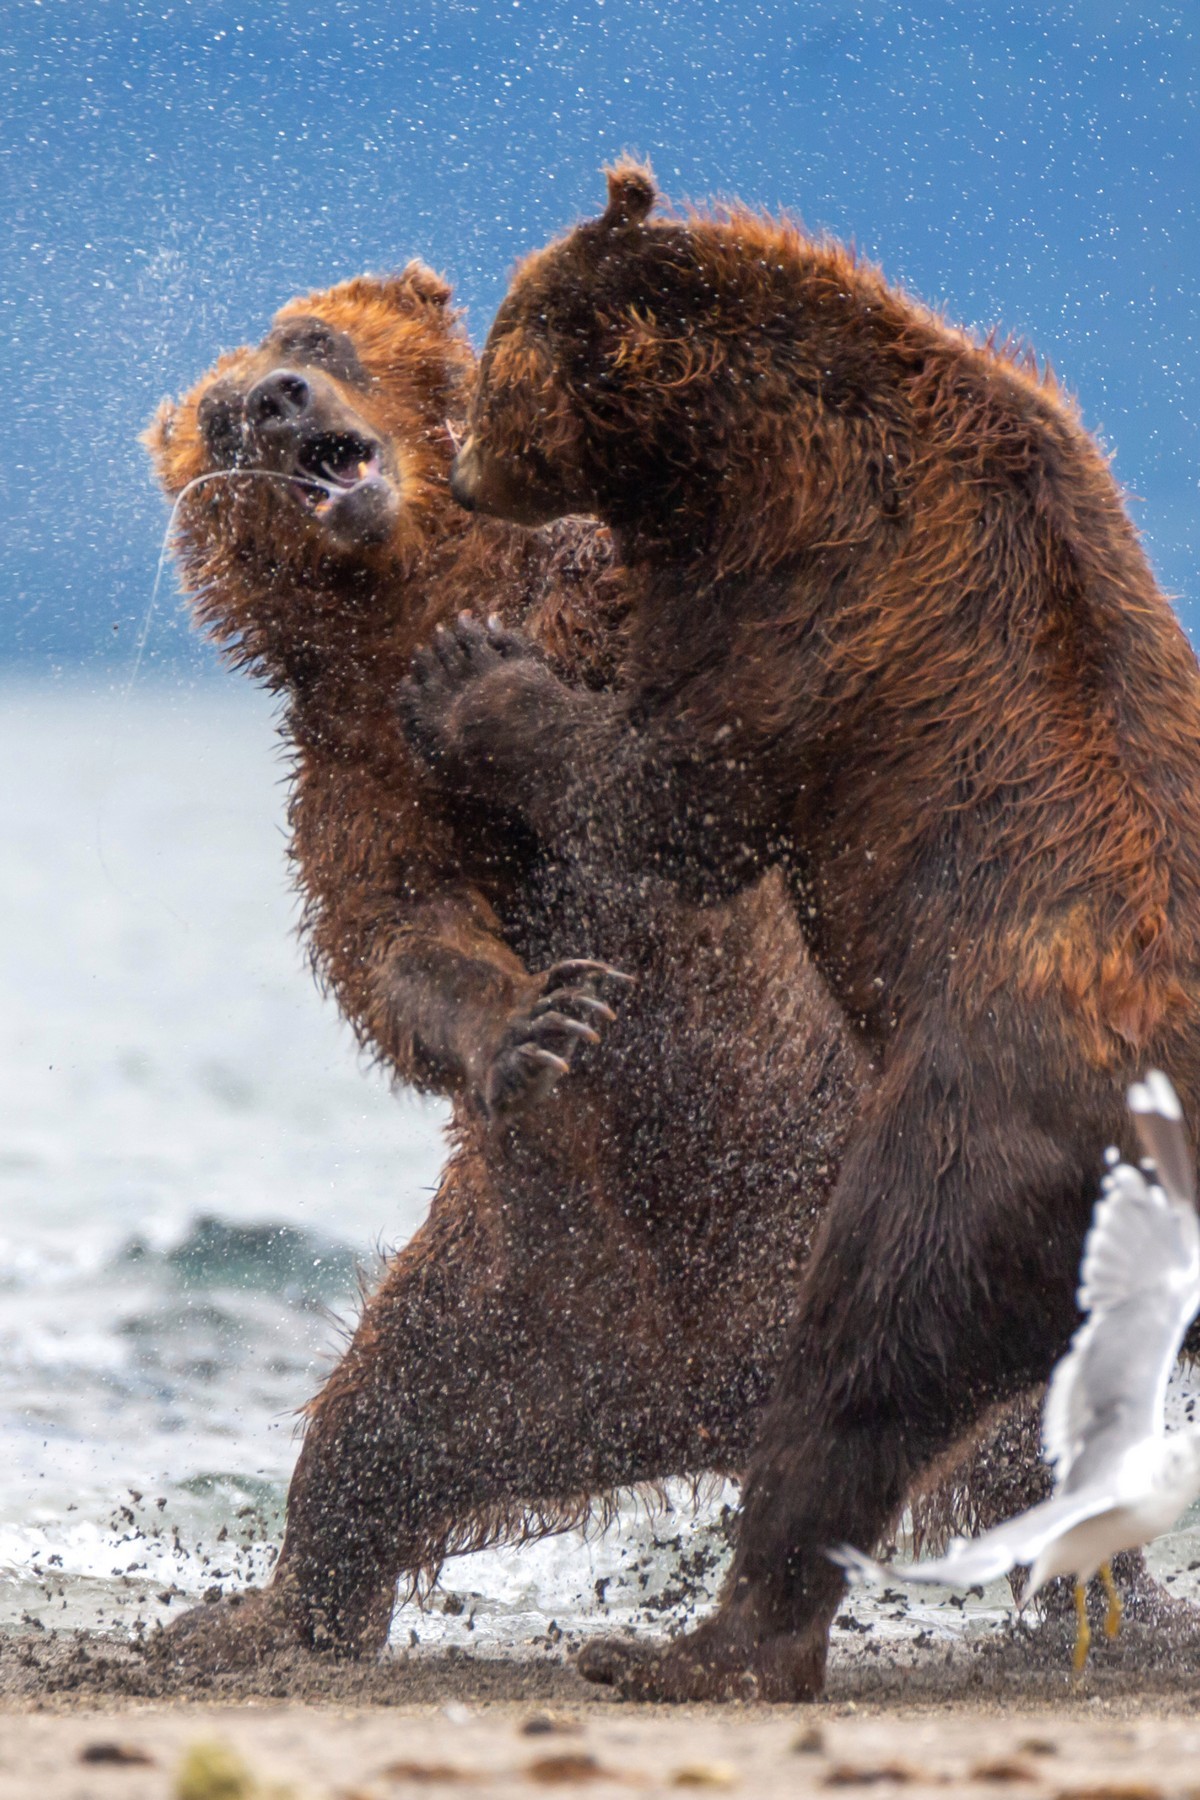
(1119, 1478)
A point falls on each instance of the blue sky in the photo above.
(169, 174)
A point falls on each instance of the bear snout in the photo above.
(484, 484)
(279, 401)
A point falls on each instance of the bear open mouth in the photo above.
(334, 463)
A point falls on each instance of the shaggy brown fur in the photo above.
(600, 1295)
(892, 627)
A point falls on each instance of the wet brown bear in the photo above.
(600, 1294)
(891, 627)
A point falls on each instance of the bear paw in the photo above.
(241, 1631)
(478, 707)
(708, 1664)
(538, 1044)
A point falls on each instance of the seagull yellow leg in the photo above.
(1083, 1631)
(1112, 1618)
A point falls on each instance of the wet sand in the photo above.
(85, 1716)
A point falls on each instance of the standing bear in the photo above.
(891, 630)
(600, 1296)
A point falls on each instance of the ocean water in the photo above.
(194, 1165)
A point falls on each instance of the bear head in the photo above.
(308, 468)
(701, 377)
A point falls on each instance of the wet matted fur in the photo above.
(890, 627)
(600, 1294)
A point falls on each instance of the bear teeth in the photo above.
(337, 459)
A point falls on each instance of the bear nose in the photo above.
(279, 399)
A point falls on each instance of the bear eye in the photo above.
(310, 340)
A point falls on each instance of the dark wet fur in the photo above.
(892, 628)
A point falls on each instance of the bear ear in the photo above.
(417, 284)
(631, 194)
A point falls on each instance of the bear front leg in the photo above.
(461, 1014)
(942, 1282)
(609, 792)
(490, 720)
(402, 927)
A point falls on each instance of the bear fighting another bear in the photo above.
(600, 1296)
(891, 630)
(601, 1293)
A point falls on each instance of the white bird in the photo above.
(1120, 1479)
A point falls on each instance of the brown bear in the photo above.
(891, 630)
(600, 1295)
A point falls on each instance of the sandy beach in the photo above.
(86, 1716)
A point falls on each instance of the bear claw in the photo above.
(457, 657)
(536, 1048)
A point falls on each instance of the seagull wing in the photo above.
(1140, 1289)
(1158, 1118)
(970, 1562)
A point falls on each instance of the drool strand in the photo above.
(304, 481)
